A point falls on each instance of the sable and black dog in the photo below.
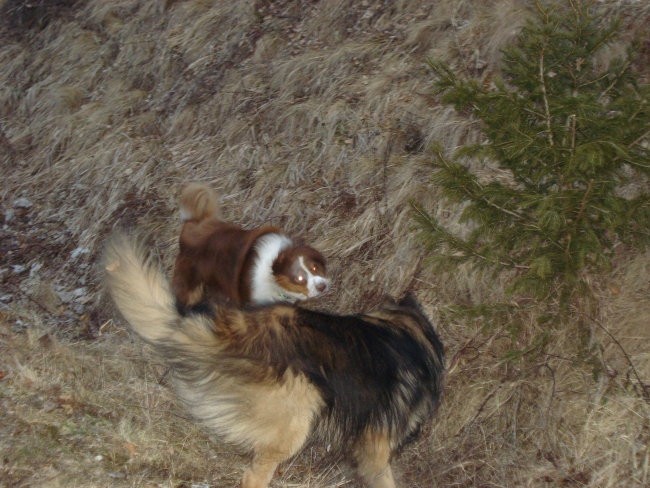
(272, 378)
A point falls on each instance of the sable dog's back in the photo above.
(380, 371)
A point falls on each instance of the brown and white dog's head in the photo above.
(286, 271)
(301, 270)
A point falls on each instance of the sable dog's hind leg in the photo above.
(279, 424)
(261, 470)
(266, 460)
(372, 455)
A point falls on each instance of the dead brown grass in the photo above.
(310, 115)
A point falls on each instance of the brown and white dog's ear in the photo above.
(282, 262)
(198, 202)
(314, 260)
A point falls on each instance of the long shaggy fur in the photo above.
(272, 378)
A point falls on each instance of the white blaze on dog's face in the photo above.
(286, 272)
(310, 273)
(300, 272)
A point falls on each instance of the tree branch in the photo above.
(645, 389)
(544, 95)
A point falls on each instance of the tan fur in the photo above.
(373, 457)
(133, 285)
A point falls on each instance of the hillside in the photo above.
(316, 116)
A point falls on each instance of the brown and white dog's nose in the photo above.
(321, 286)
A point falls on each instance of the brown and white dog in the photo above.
(272, 379)
(220, 262)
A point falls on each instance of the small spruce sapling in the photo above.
(572, 134)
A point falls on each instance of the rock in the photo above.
(65, 296)
(19, 326)
(44, 294)
(50, 406)
(23, 203)
(35, 268)
(81, 291)
(79, 251)
(9, 215)
(80, 294)
(46, 340)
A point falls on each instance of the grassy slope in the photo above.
(311, 115)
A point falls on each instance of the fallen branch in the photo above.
(645, 389)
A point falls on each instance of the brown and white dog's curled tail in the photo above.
(198, 202)
(139, 289)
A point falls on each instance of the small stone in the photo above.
(18, 268)
(43, 293)
(79, 251)
(45, 341)
(50, 406)
(9, 215)
(22, 203)
(34, 269)
(19, 326)
(80, 292)
(65, 296)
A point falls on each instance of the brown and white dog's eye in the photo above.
(316, 268)
(300, 279)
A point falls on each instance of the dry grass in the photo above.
(310, 115)
(93, 414)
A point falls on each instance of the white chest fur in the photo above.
(264, 288)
